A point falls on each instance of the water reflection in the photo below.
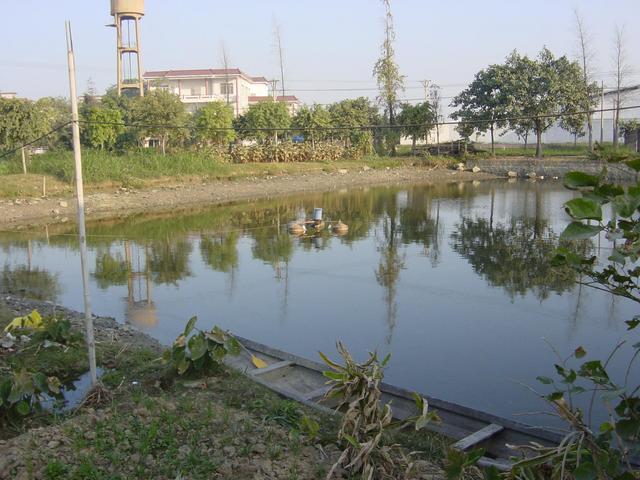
(416, 264)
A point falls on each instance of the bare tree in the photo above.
(435, 98)
(621, 72)
(278, 38)
(224, 58)
(585, 54)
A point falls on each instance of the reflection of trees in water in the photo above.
(34, 283)
(515, 255)
(169, 259)
(220, 251)
(110, 269)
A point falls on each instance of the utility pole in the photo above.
(82, 235)
(601, 112)
(274, 86)
(425, 85)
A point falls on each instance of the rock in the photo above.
(475, 169)
(531, 175)
(135, 458)
(17, 202)
(460, 167)
(342, 171)
(259, 448)
(55, 211)
(184, 450)
(366, 168)
(63, 204)
(90, 435)
(512, 174)
(229, 451)
(149, 460)
(53, 444)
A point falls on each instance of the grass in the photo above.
(158, 425)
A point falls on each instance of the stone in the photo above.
(531, 175)
(512, 174)
(259, 448)
(460, 167)
(366, 168)
(229, 451)
(55, 211)
(343, 171)
(135, 458)
(53, 444)
(90, 435)
(475, 169)
(63, 204)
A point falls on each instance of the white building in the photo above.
(199, 87)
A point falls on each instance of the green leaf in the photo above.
(334, 375)
(586, 471)
(385, 360)
(583, 209)
(579, 352)
(183, 365)
(635, 164)
(197, 346)
(579, 231)
(492, 473)
(545, 380)
(352, 440)
(40, 381)
(574, 180)
(23, 407)
(554, 396)
(190, 325)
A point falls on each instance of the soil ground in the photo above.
(170, 195)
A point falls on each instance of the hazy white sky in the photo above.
(329, 44)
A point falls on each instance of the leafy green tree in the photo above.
(102, 126)
(159, 114)
(267, 114)
(356, 113)
(55, 111)
(541, 89)
(484, 103)
(220, 252)
(417, 121)
(20, 122)
(388, 76)
(310, 118)
(210, 123)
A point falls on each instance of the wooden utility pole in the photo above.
(82, 236)
(24, 161)
(601, 112)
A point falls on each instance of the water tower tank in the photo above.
(123, 7)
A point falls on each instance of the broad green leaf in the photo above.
(626, 205)
(190, 325)
(583, 209)
(575, 180)
(580, 352)
(586, 471)
(23, 408)
(631, 324)
(334, 375)
(183, 365)
(492, 473)
(545, 380)
(579, 231)
(330, 363)
(40, 381)
(197, 346)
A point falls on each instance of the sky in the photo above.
(328, 45)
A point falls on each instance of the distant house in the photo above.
(196, 88)
(8, 95)
(632, 139)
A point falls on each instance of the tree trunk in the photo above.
(616, 121)
(162, 144)
(526, 139)
(590, 130)
(437, 139)
(413, 145)
(392, 120)
(538, 142)
(493, 149)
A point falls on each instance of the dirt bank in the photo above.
(25, 212)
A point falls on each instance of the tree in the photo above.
(102, 126)
(307, 119)
(20, 122)
(416, 121)
(267, 114)
(55, 111)
(484, 103)
(388, 76)
(159, 114)
(621, 72)
(541, 90)
(211, 121)
(435, 98)
(356, 113)
(586, 57)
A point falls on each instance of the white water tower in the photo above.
(127, 15)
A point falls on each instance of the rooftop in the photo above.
(204, 72)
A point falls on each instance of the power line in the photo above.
(11, 152)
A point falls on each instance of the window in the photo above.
(226, 88)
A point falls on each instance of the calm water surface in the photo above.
(453, 280)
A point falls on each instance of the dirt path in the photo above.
(22, 213)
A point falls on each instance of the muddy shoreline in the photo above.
(29, 212)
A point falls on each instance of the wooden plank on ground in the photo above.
(479, 436)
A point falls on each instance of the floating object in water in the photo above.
(317, 214)
(340, 228)
(297, 228)
(318, 225)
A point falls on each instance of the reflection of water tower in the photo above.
(127, 15)
(141, 311)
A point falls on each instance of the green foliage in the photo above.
(629, 126)
(201, 352)
(308, 119)
(421, 115)
(57, 329)
(20, 122)
(267, 114)
(287, 152)
(159, 114)
(21, 392)
(460, 465)
(366, 423)
(610, 154)
(210, 123)
(355, 113)
(102, 126)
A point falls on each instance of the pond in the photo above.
(453, 279)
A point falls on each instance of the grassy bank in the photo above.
(148, 168)
(155, 424)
